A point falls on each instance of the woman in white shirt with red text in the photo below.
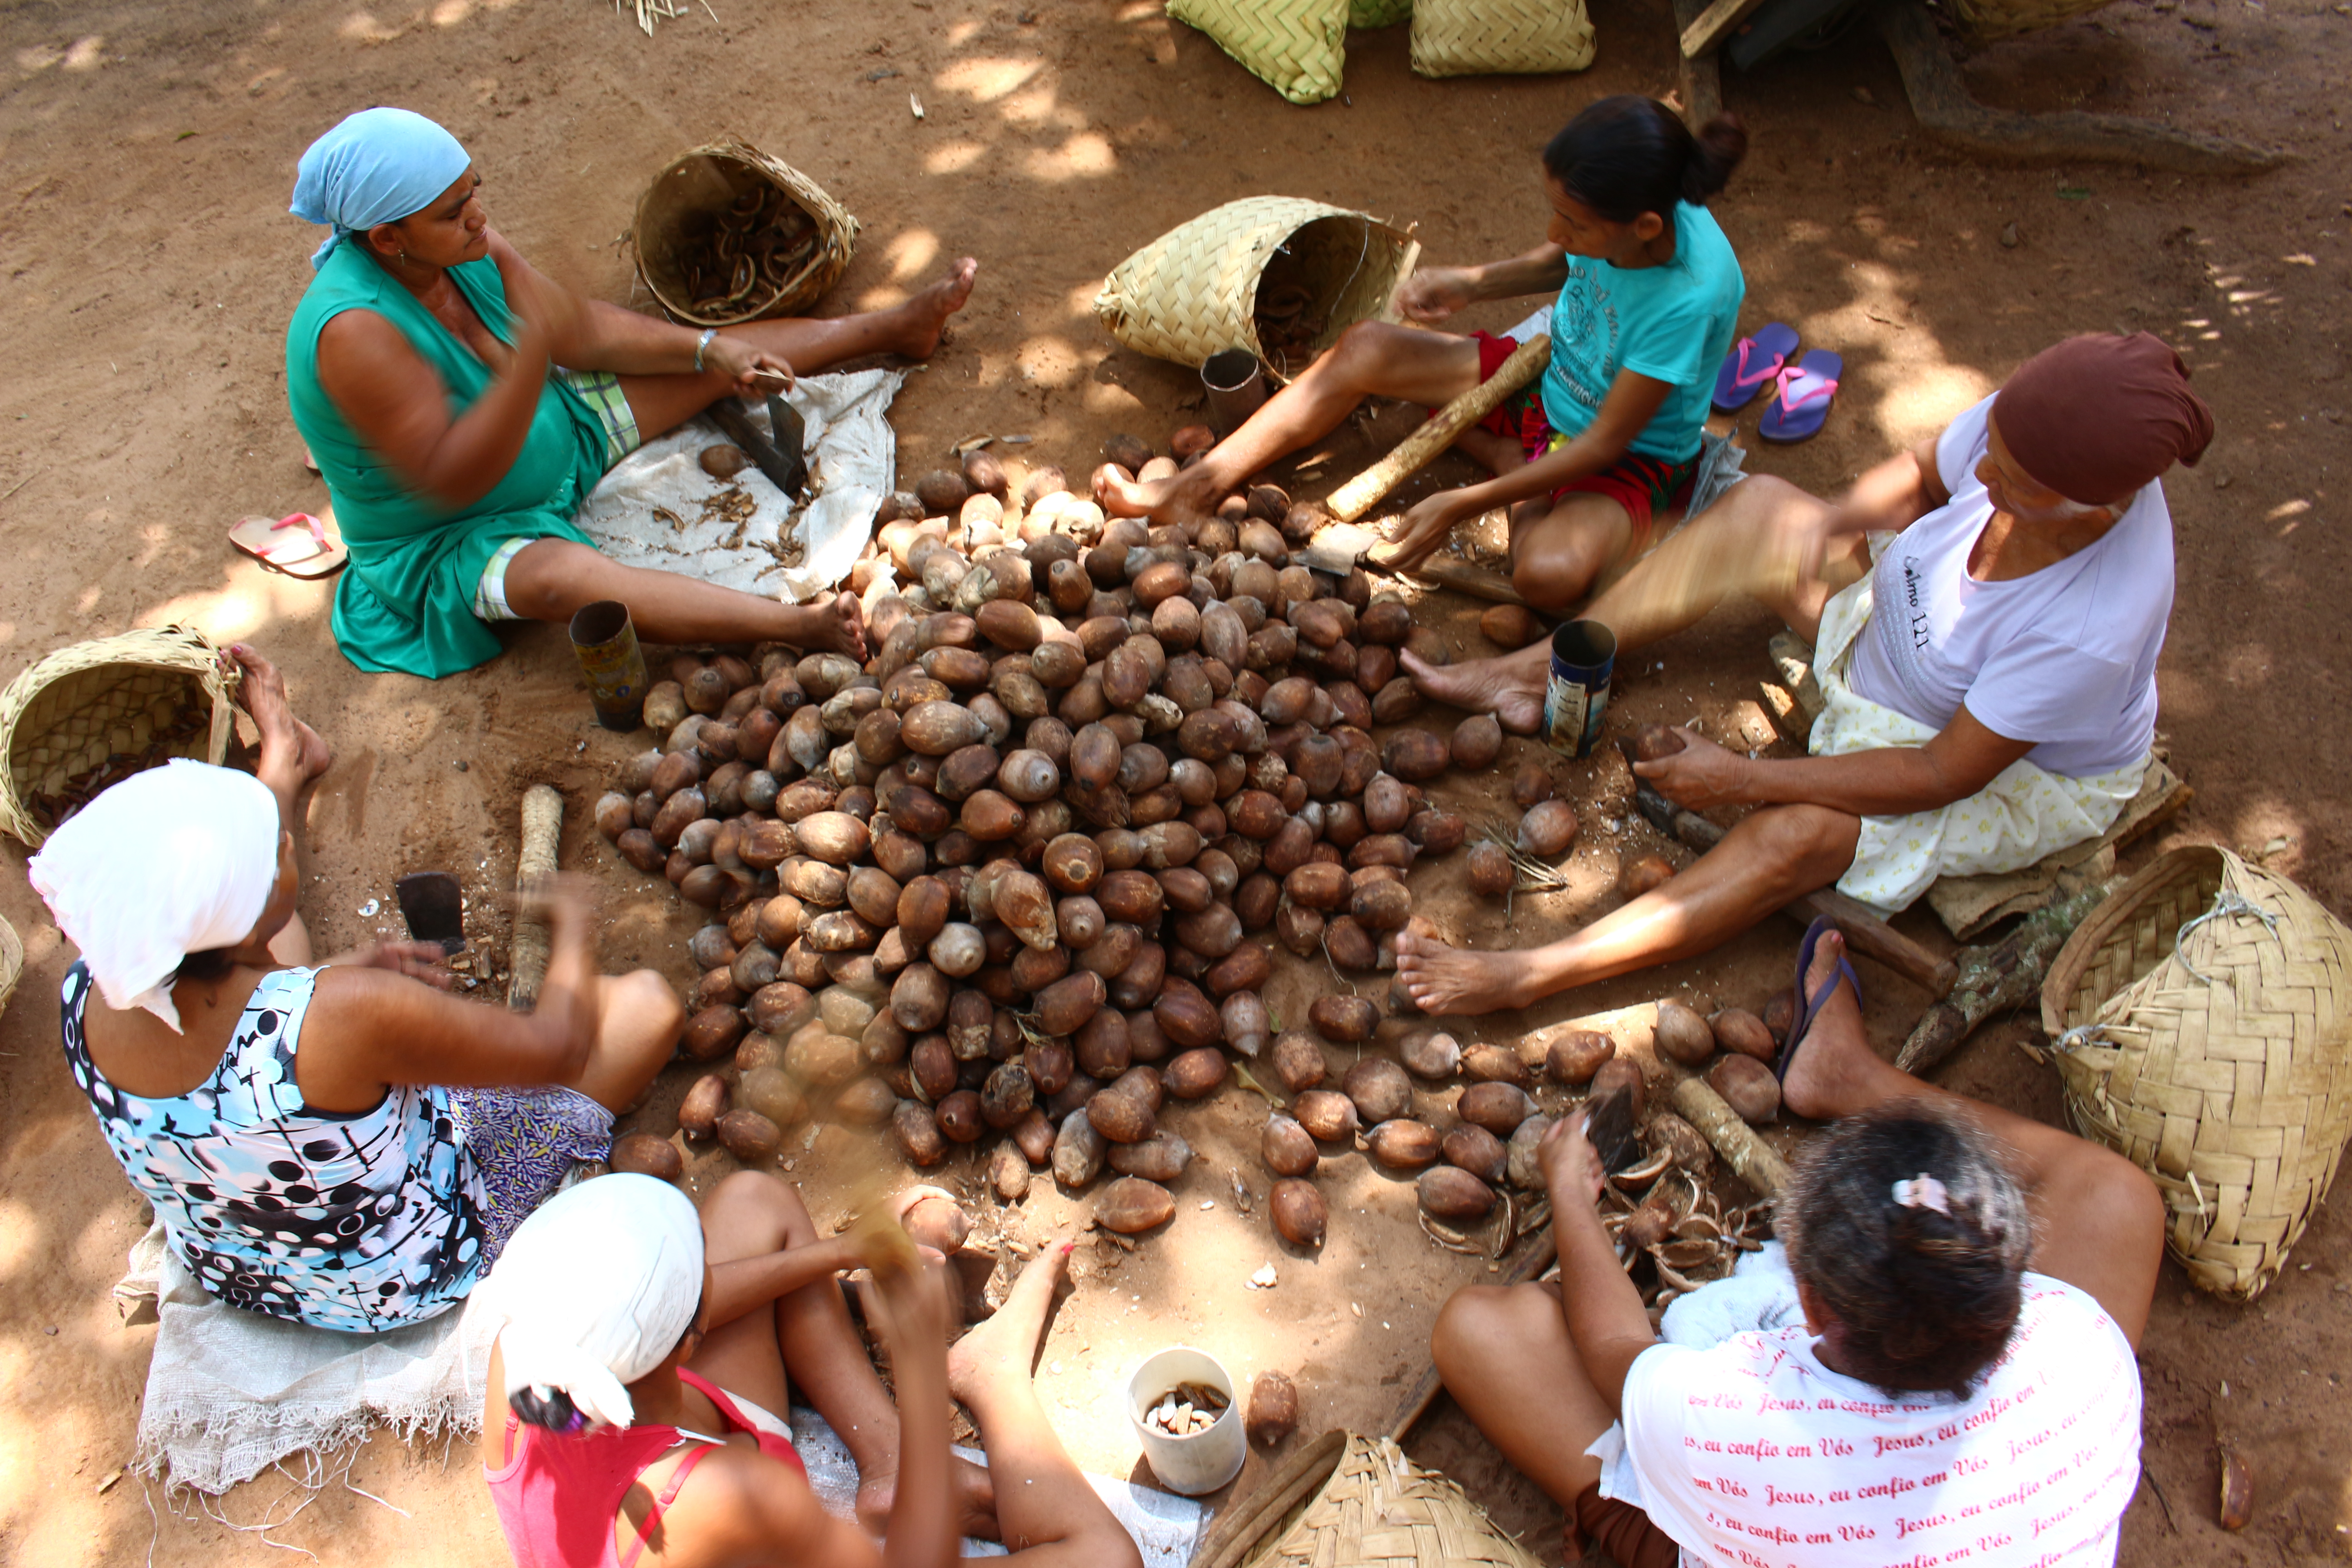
(1961, 1386)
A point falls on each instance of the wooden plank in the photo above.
(1717, 23)
(1700, 80)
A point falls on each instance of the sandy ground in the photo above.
(150, 270)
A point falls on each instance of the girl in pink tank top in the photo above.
(559, 1495)
(627, 1318)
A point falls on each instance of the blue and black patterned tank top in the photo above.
(362, 1222)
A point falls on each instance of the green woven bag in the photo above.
(1489, 37)
(1298, 47)
(1378, 13)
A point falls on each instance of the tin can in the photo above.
(1583, 655)
(1235, 384)
(607, 644)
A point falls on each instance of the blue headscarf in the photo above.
(378, 166)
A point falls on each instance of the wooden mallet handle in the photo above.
(1359, 495)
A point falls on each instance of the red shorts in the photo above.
(1643, 486)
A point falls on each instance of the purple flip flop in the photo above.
(1807, 1006)
(1802, 404)
(1752, 364)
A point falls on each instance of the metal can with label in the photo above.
(1576, 696)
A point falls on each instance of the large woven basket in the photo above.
(1298, 47)
(12, 963)
(678, 213)
(2203, 1021)
(1500, 38)
(1351, 1502)
(99, 711)
(1194, 291)
(1986, 20)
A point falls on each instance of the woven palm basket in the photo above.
(1986, 20)
(12, 963)
(1194, 291)
(685, 205)
(1500, 38)
(1378, 13)
(94, 713)
(2203, 1021)
(1351, 1502)
(1298, 47)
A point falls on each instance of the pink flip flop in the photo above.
(297, 544)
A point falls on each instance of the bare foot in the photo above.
(1004, 1349)
(1454, 981)
(1189, 496)
(837, 627)
(1496, 685)
(923, 318)
(287, 743)
(1826, 1065)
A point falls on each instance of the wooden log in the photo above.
(1359, 495)
(542, 826)
(2006, 973)
(1704, 36)
(1749, 1156)
(1699, 81)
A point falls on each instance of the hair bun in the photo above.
(1716, 152)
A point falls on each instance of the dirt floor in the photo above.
(150, 270)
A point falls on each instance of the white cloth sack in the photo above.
(853, 463)
(232, 1391)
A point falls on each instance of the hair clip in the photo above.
(1922, 1192)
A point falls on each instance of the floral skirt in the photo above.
(524, 1142)
(2023, 814)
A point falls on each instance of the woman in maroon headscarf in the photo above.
(1985, 611)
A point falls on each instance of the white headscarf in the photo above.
(169, 862)
(595, 1289)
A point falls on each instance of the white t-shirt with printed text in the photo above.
(2065, 657)
(1754, 1455)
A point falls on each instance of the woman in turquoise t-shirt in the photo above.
(1649, 293)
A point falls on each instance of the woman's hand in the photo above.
(916, 1306)
(1570, 1165)
(1700, 776)
(754, 371)
(1434, 293)
(566, 901)
(546, 315)
(423, 960)
(1417, 533)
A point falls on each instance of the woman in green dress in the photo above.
(461, 406)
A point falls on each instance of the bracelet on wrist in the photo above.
(702, 343)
